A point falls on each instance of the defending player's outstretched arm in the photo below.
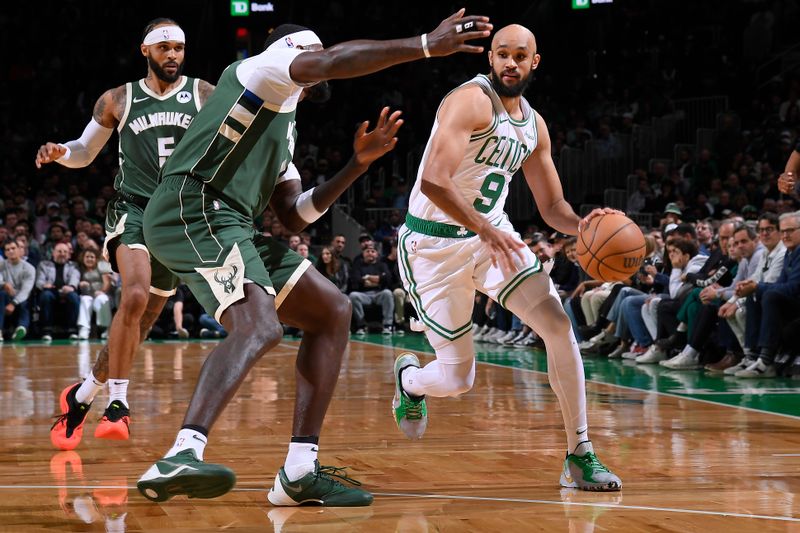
(358, 58)
(287, 201)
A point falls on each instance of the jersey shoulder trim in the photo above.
(128, 97)
(495, 119)
(488, 131)
(170, 94)
(196, 93)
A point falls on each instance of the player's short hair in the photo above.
(282, 31)
(157, 22)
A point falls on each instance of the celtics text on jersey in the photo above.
(489, 162)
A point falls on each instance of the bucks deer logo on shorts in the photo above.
(227, 282)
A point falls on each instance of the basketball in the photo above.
(611, 248)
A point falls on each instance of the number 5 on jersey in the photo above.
(165, 147)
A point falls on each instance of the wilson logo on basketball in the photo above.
(633, 262)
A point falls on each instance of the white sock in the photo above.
(88, 389)
(118, 391)
(682, 327)
(300, 459)
(189, 439)
(691, 352)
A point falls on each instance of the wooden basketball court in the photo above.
(490, 460)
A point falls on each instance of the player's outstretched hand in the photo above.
(503, 247)
(596, 213)
(48, 153)
(371, 145)
(787, 182)
(453, 32)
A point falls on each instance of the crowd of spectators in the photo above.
(633, 68)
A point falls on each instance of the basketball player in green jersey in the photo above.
(199, 223)
(457, 239)
(151, 115)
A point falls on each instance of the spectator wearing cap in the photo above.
(369, 284)
(672, 214)
(749, 212)
(365, 241)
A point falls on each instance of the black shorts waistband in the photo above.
(134, 199)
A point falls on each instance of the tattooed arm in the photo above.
(204, 90)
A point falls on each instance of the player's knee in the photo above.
(134, 300)
(557, 324)
(460, 385)
(265, 337)
(342, 309)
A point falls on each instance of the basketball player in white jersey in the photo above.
(457, 239)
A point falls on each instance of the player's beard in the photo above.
(509, 92)
(161, 73)
(319, 93)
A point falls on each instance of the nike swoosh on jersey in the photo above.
(137, 100)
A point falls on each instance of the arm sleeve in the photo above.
(24, 292)
(267, 76)
(83, 150)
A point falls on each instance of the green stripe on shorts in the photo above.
(417, 300)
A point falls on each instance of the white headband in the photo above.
(299, 38)
(164, 33)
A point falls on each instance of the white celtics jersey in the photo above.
(490, 160)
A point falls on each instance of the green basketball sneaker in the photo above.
(411, 414)
(319, 486)
(583, 470)
(184, 473)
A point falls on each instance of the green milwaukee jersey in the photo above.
(242, 140)
(150, 128)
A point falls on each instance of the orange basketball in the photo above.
(611, 248)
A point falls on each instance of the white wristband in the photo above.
(424, 39)
(305, 207)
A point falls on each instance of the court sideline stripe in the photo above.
(466, 498)
(643, 391)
